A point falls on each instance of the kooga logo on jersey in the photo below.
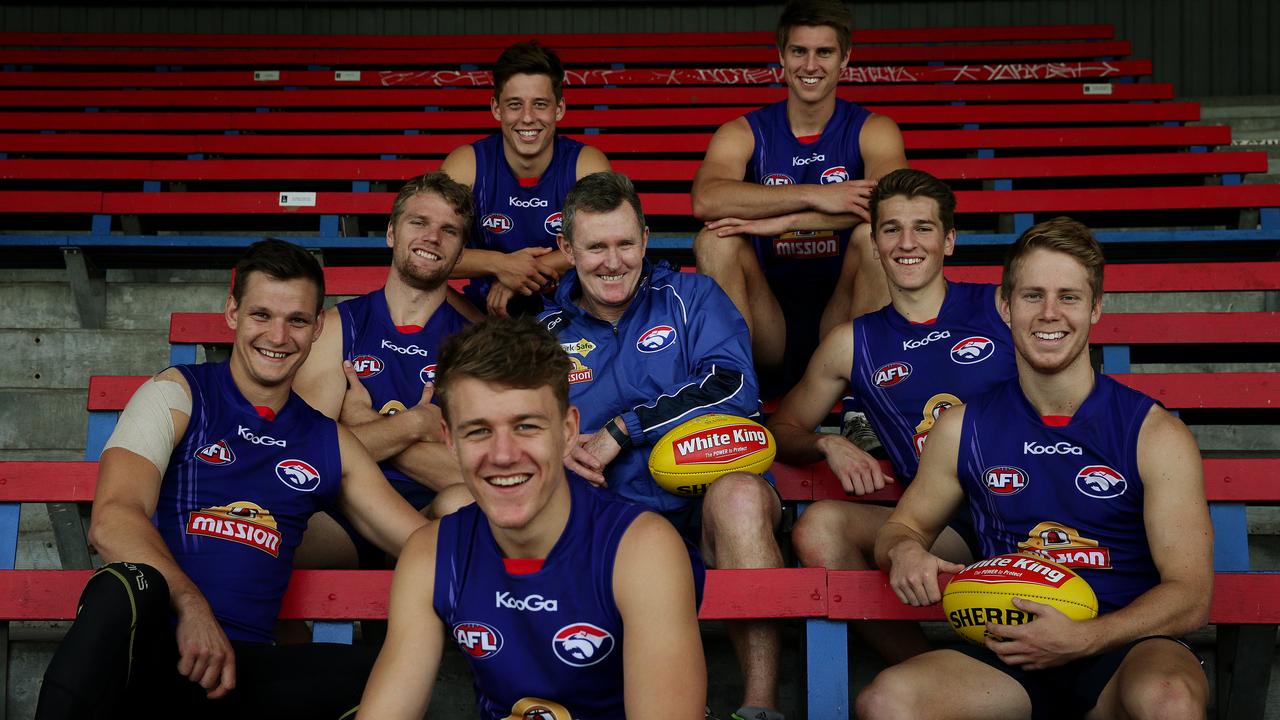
(1063, 448)
(798, 161)
(243, 432)
(411, 350)
(533, 603)
(913, 344)
(514, 201)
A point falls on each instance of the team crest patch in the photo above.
(582, 644)
(837, 174)
(659, 337)
(973, 349)
(428, 374)
(554, 223)
(478, 640)
(1101, 482)
(298, 475)
(218, 453)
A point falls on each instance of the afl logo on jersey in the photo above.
(298, 475)
(1005, 480)
(1101, 482)
(478, 640)
(891, 374)
(553, 224)
(218, 453)
(973, 349)
(428, 374)
(659, 337)
(497, 223)
(777, 179)
(366, 366)
(582, 644)
(835, 174)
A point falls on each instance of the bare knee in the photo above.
(821, 537)
(714, 254)
(739, 496)
(448, 500)
(1166, 697)
(891, 696)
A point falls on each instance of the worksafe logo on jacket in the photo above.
(298, 475)
(478, 640)
(659, 337)
(497, 223)
(582, 644)
(218, 453)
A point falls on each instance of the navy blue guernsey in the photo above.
(905, 375)
(807, 262)
(555, 634)
(394, 365)
(510, 217)
(237, 495)
(1071, 492)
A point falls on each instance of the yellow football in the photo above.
(697, 452)
(983, 592)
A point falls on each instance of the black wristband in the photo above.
(623, 439)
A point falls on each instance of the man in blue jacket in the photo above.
(651, 348)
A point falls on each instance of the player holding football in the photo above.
(595, 613)
(783, 190)
(1124, 478)
(936, 345)
(519, 177)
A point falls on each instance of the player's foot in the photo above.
(756, 713)
(857, 430)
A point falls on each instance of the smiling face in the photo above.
(275, 323)
(426, 241)
(527, 110)
(911, 242)
(511, 444)
(608, 252)
(1050, 310)
(812, 63)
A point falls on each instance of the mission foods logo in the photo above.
(240, 522)
(729, 443)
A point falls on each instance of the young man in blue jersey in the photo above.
(519, 177)
(1120, 500)
(204, 492)
(783, 192)
(650, 348)
(566, 601)
(372, 368)
(937, 344)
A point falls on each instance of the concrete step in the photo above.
(38, 423)
(129, 306)
(59, 358)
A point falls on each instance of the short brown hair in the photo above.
(528, 58)
(912, 184)
(279, 260)
(1061, 234)
(816, 13)
(455, 193)
(513, 352)
(600, 192)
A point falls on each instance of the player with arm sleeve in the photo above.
(519, 177)
(203, 494)
(567, 601)
(1107, 482)
(937, 344)
(651, 348)
(783, 192)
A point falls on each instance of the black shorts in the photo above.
(1068, 691)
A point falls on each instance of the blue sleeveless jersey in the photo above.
(1071, 492)
(807, 262)
(905, 375)
(510, 217)
(393, 365)
(237, 495)
(555, 634)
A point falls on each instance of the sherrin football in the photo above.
(695, 453)
(983, 592)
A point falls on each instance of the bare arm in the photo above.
(882, 149)
(902, 545)
(320, 380)
(399, 688)
(376, 510)
(121, 530)
(460, 165)
(664, 669)
(591, 160)
(430, 464)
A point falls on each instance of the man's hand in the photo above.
(859, 473)
(524, 271)
(205, 656)
(913, 573)
(764, 227)
(427, 416)
(850, 196)
(1051, 639)
(357, 405)
(592, 454)
(499, 296)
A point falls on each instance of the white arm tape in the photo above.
(146, 425)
